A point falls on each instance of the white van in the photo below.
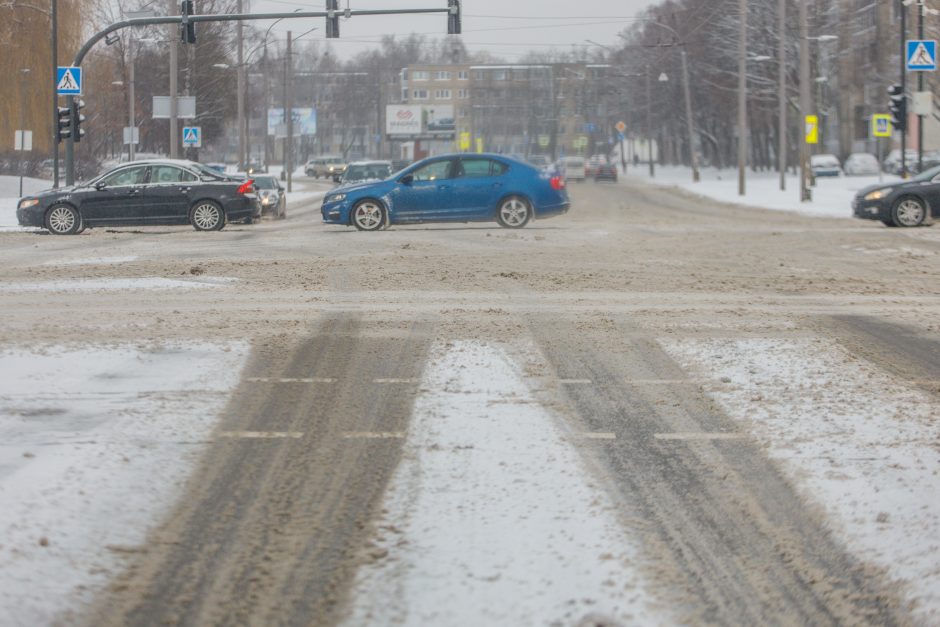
(574, 168)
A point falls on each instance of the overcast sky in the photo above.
(506, 28)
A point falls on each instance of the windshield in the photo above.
(366, 172)
(265, 182)
(207, 171)
(927, 175)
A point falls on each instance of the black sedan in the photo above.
(158, 192)
(904, 203)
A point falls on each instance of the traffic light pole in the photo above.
(920, 88)
(228, 17)
(903, 56)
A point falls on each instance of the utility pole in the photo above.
(920, 88)
(22, 143)
(131, 113)
(55, 96)
(649, 120)
(288, 114)
(688, 118)
(742, 98)
(903, 56)
(782, 95)
(240, 96)
(174, 70)
(806, 193)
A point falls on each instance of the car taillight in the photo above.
(246, 187)
(558, 183)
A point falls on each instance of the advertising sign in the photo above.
(465, 141)
(812, 129)
(305, 121)
(420, 121)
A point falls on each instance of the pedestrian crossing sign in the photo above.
(192, 137)
(68, 81)
(881, 125)
(921, 55)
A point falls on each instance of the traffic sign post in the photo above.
(881, 127)
(921, 55)
(192, 137)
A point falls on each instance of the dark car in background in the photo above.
(271, 195)
(904, 203)
(158, 192)
(360, 171)
(451, 188)
(605, 172)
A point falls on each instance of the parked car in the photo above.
(892, 163)
(825, 165)
(451, 188)
(605, 172)
(155, 192)
(574, 168)
(861, 164)
(539, 161)
(255, 167)
(904, 203)
(366, 171)
(591, 165)
(400, 164)
(272, 196)
(326, 167)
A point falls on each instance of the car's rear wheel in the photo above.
(368, 215)
(207, 215)
(909, 212)
(64, 220)
(514, 212)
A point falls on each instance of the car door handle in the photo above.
(497, 185)
(134, 191)
(185, 189)
(443, 187)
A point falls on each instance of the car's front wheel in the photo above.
(64, 220)
(368, 215)
(207, 215)
(514, 213)
(909, 212)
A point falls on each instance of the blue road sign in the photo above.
(192, 138)
(921, 55)
(68, 81)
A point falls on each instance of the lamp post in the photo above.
(24, 72)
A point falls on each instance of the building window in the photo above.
(442, 76)
(480, 75)
(419, 75)
(463, 94)
(442, 94)
(463, 75)
(420, 94)
(404, 94)
(499, 75)
(464, 112)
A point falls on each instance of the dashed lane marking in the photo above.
(597, 435)
(262, 435)
(698, 436)
(291, 380)
(373, 435)
(396, 380)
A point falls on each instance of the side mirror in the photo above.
(100, 186)
(408, 179)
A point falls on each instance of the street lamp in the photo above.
(693, 157)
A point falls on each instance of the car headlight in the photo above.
(336, 198)
(29, 202)
(878, 194)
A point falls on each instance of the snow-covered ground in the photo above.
(474, 536)
(832, 197)
(95, 443)
(857, 442)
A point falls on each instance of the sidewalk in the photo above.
(832, 197)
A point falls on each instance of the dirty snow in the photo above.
(857, 442)
(94, 445)
(491, 517)
(117, 284)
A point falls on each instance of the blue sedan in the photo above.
(451, 188)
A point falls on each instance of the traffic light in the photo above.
(77, 119)
(64, 125)
(898, 107)
(187, 28)
(453, 17)
(332, 19)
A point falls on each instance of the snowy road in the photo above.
(654, 410)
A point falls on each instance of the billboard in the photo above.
(305, 121)
(420, 121)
